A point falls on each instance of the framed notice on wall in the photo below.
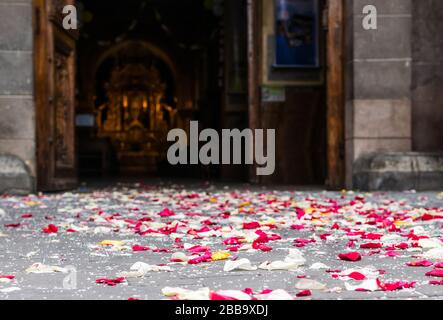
(297, 34)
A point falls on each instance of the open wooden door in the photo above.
(336, 93)
(54, 96)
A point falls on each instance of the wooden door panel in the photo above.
(64, 102)
(55, 97)
(335, 94)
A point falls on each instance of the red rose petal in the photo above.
(207, 257)
(351, 256)
(421, 263)
(251, 225)
(50, 229)
(198, 249)
(402, 246)
(110, 282)
(260, 246)
(12, 225)
(371, 245)
(325, 236)
(219, 297)
(248, 291)
(304, 293)
(357, 276)
(435, 273)
(166, 213)
(266, 291)
(372, 236)
(335, 226)
(233, 241)
(391, 254)
(140, 248)
(393, 286)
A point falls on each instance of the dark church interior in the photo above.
(143, 69)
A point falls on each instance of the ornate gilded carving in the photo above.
(135, 116)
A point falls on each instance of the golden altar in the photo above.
(136, 118)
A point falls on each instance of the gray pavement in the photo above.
(100, 214)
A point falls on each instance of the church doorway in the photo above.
(144, 68)
(107, 94)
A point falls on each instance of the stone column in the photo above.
(17, 118)
(378, 81)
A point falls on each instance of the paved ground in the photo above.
(93, 234)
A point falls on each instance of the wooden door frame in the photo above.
(40, 89)
(335, 84)
(49, 177)
(335, 94)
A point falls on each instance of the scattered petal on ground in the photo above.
(304, 293)
(42, 268)
(351, 256)
(308, 284)
(110, 282)
(211, 242)
(241, 264)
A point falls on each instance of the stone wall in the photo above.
(427, 75)
(17, 124)
(378, 81)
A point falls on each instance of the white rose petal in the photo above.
(42, 268)
(185, 294)
(308, 284)
(242, 264)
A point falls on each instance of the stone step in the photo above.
(399, 171)
(15, 177)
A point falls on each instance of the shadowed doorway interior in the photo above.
(146, 67)
(143, 68)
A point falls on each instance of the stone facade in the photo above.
(378, 81)
(17, 124)
(394, 100)
(393, 96)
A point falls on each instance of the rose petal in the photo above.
(351, 256)
(304, 293)
(435, 273)
(371, 245)
(110, 282)
(140, 248)
(357, 276)
(421, 263)
(50, 229)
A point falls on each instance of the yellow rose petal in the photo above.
(220, 255)
(116, 243)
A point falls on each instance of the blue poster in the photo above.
(297, 33)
